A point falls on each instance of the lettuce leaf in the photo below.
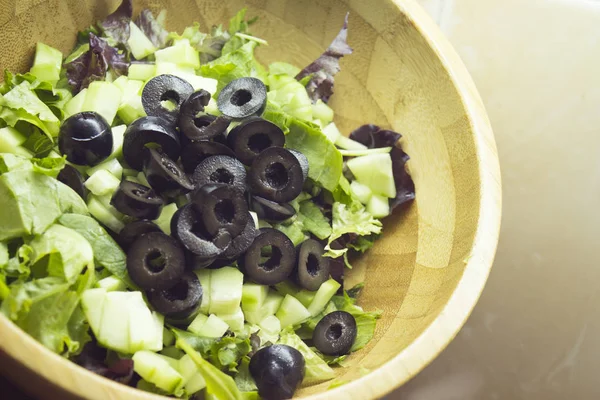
(323, 69)
(313, 220)
(153, 28)
(24, 295)
(237, 24)
(352, 218)
(116, 25)
(19, 266)
(210, 46)
(316, 369)
(365, 321)
(243, 379)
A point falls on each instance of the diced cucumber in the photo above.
(344, 142)
(128, 172)
(102, 214)
(105, 201)
(75, 105)
(193, 381)
(374, 171)
(271, 324)
(379, 206)
(141, 71)
(143, 331)
(155, 369)
(204, 278)
(47, 63)
(114, 327)
(11, 141)
(168, 67)
(92, 302)
(235, 321)
(102, 182)
(269, 307)
(291, 312)
(332, 132)
(322, 112)
(188, 74)
(142, 179)
(365, 152)
(211, 326)
(225, 290)
(111, 284)
(103, 98)
(118, 136)
(168, 337)
(113, 166)
(253, 296)
(287, 287)
(212, 107)
(182, 54)
(327, 290)
(131, 107)
(172, 351)
(141, 47)
(173, 362)
(362, 192)
(159, 325)
(305, 297)
(164, 219)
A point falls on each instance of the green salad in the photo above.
(178, 217)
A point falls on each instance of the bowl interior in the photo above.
(394, 79)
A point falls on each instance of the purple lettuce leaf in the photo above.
(93, 358)
(153, 28)
(93, 65)
(373, 136)
(116, 25)
(323, 69)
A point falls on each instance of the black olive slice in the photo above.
(313, 268)
(277, 370)
(155, 261)
(252, 136)
(241, 242)
(164, 175)
(196, 125)
(278, 266)
(271, 211)
(222, 207)
(85, 138)
(73, 179)
(179, 301)
(149, 132)
(302, 160)
(196, 152)
(195, 262)
(276, 175)
(134, 230)
(220, 169)
(187, 227)
(335, 333)
(242, 98)
(162, 90)
(137, 200)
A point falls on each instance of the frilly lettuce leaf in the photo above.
(350, 218)
(316, 370)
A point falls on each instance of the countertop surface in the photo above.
(534, 334)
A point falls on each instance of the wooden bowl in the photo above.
(429, 268)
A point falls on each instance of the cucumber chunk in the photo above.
(114, 327)
(143, 330)
(211, 326)
(102, 214)
(305, 297)
(141, 47)
(362, 192)
(103, 98)
(155, 369)
(197, 323)
(47, 63)
(332, 132)
(379, 206)
(253, 296)
(11, 141)
(113, 166)
(142, 179)
(164, 219)
(322, 112)
(269, 307)
(92, 302)
(346, 143)
(235, 320)
(102, 182)
(75, 105)
(365, 152)
(374, 171)
(271, 324)
(225, 290)
(118, 136)
(131, 107)
(291, 312)
(182, 54)
(327, 290)
(141, 71)
(287, 287)
(111, 284)
(204, 278)
(193, 381)
(173, 352)
(168, 337)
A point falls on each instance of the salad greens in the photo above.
(63, 272)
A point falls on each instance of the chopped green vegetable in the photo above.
(313, 220)
(316, 369)
(351, 218)
(47, 63)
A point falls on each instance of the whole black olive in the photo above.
(196, 152)
(168, 89)
(134, 230)
(137, 200)
(85, 138)
(179, 301)
(242, 98)
(149, 132)
(302, 160)
(335, 333)
(241, 242)
(252, 136)
(221, 169)
(277, 370)
(73, 179)
(279, 264)
(312, 268)
(276, 175)
(188, 228)
(164, 175)
(271, 211)
(155, 261)
(193, 125)
(222, 207)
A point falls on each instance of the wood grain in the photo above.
(432, 263)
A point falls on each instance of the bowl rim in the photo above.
(40, 361)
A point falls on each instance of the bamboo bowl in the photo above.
(429, 268)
